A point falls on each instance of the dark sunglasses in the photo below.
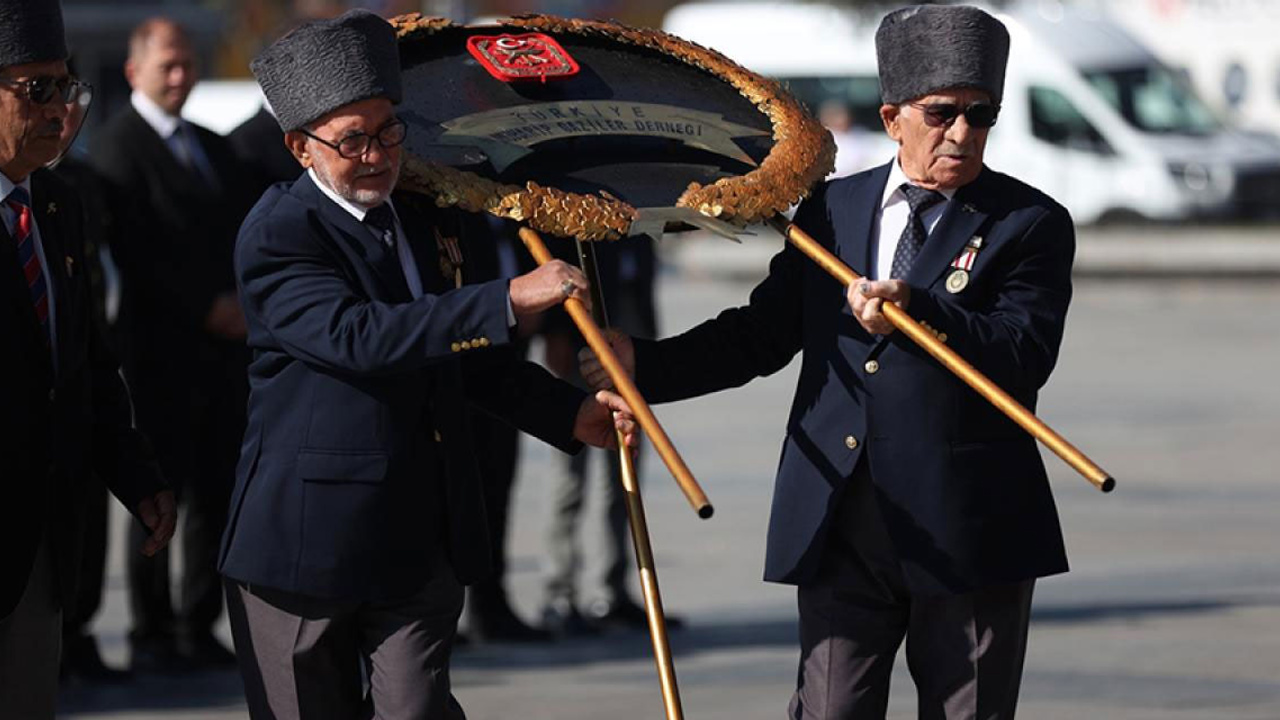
(357, 144)
(42, 90)
(978, 115)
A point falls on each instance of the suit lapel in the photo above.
(49, 221)
(382, 259)
(963, 216)
(418, 230)
(15, 283)
(177, 177)
(854, 247)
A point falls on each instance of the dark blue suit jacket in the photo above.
(59, 428)
(963, 490)
(357, 469)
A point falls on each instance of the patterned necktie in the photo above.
(382, 219)
(28, 258)
(913, 235)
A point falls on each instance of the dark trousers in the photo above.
(303, 658)
(965, 652)
(197, 441)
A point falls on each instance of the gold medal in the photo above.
(958, 280)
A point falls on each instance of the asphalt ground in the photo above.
(1170, 610)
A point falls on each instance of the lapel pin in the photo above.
(969, 208)
(71, 266)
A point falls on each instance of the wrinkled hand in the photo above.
(160, 514)
(226, 319)
(592, 370)
(545, 287)
(599, 416)
(867, 298)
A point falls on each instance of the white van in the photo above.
(1089, 115)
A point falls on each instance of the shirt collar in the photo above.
(7, 186)
(356, 211)
(892, 191)
(157, 117)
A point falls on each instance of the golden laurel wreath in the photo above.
(803, 152)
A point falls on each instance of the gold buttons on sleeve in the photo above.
(482, 342)
(455, 347)
(851, 442)
(872, 367)
(466, 345)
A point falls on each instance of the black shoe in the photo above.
(81, 659)
(203, 651)
(499, 624)
(561, 618)
(623, 612)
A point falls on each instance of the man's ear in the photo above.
(889, 115)
(296, 142)
(129, 71)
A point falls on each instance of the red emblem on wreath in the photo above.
(531, 56)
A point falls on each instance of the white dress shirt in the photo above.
(11, 224)
(893, 214)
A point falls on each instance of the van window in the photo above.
(1056, 121)
(860, 94)
(1153, 99)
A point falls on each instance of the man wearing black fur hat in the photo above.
(357, 513)
(905, 506)
(65, 411)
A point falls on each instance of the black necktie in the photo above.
(382, 219)
(913, 235)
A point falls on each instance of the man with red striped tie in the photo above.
(63, 410)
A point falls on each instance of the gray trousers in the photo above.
(304, 658)
(965, 652)
(30, 646)
(568, 495)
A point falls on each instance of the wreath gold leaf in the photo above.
(803, 152)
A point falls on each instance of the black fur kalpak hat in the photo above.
(926, 48)
(322, 65)
(31, 31)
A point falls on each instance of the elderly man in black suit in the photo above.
(65, 412)
(180, 196)
(905, 506)
(357, 514)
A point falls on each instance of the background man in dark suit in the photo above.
(905, 505)
(358, 513)
(181, 329)
(627, 274)
(65, 411)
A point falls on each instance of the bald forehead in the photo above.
(156, 32)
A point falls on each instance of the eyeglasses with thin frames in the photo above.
(46, 88)
(978, 114)
(357, 145)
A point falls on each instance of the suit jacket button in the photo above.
(438, 438)
(872, 367)
(455, 347)
(466, 345)
(851, 442)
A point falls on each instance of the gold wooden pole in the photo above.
(625, 387)
(638, 524)
(953, 362)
